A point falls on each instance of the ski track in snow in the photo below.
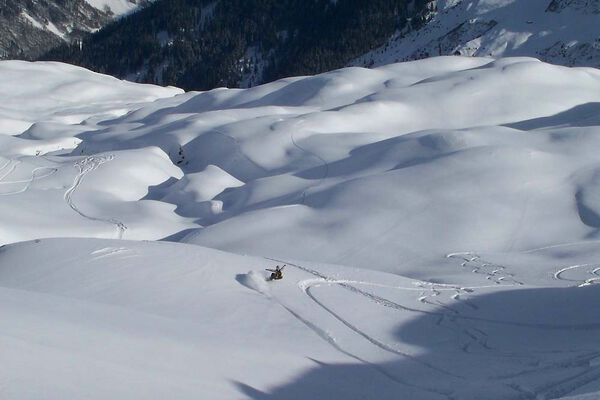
(493, 272)
(584, 279)
(306, 286)
(29, 182)
(587, 370)
(560, 245)
(321, 160)
(13, 165)
(326, 336)
(107, 252)
(85, 166)
(6, 164)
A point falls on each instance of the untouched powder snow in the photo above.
(439, 220)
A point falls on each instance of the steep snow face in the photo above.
(563, 32)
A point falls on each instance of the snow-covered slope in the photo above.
(101, 319)
(116, 7)
(45, 195)
(382, 168)
(376, 168)
(565, 32)
(439, 220)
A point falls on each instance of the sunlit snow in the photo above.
(438, 220)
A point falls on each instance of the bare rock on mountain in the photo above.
(30, 28)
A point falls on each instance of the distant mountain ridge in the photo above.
(202, 44)
(565, 32)
(30, 28)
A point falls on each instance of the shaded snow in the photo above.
(439, 221)
(132, 320)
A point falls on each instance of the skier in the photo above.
(276, 273)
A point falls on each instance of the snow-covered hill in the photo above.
(439, 220)
(565, 32)
(97, 319)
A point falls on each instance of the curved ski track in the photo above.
(85, 166)
(29, 181)
(449, 318)
(594, 272)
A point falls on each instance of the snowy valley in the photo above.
(439, 221)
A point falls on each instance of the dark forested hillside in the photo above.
(202, 44)
(28, 28)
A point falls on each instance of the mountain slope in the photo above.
(202, 44)
(29, 29)
(564, 32)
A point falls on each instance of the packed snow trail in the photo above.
(85, 166)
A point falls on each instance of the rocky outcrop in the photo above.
(32, 27)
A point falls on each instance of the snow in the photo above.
(54, 29)
(152, 319)
(438, 219)
(33, 21)
(566, 33)
(118, 7)
(256, 280)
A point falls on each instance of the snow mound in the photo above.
(56, 92)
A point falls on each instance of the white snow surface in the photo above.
(439, 221)
(118, 7)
